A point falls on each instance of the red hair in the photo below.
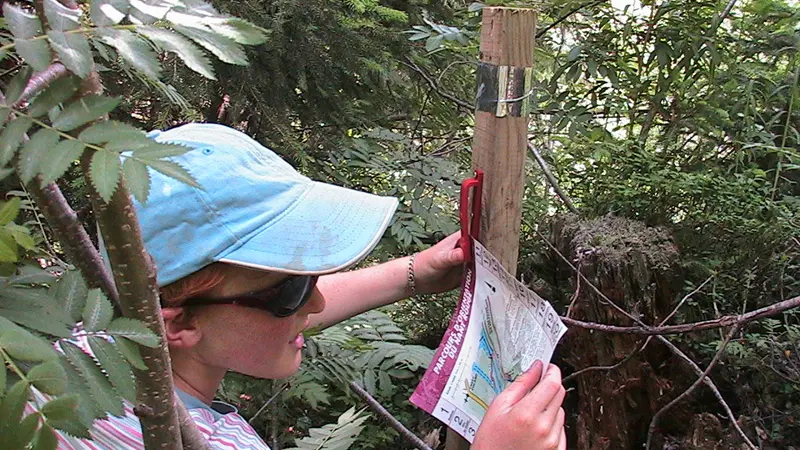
(198, 283)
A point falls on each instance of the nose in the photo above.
(315, 303)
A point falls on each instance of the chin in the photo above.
(287, 367)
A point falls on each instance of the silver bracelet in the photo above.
(412, 282)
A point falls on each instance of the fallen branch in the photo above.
(724, 321)
(410, 437)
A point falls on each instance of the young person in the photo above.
(255, 257)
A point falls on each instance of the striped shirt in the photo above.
(224, 430)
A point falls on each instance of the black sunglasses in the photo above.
(282, 300)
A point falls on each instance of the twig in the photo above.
(566, 16)
(432, 83)
(630, 356)
(271, 399)
(687, 297)
(552, 179)
(410, 437)
(654, 421)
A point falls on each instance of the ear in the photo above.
(181, 328)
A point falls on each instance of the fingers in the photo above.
(517, 390)
(549, 390)
(562, 440)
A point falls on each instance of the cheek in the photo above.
(257, 344)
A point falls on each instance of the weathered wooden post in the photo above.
(501, 128)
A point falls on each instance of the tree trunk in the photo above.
(637, 268)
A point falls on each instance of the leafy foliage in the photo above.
(338, 436)
(42, 310)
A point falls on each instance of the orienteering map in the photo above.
(500, 328)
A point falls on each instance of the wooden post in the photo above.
(501, 129)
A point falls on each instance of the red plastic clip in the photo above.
(470, 223)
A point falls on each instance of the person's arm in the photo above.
(348, 294)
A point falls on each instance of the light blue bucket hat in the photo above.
(254, 210)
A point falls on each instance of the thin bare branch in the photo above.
(552, 179)
(410, 437)
(435, 86)
(724, 321)
(657, 416)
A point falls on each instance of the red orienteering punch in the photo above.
(470, 217)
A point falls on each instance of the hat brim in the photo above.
(328, 229)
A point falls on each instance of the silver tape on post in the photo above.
(504, 90)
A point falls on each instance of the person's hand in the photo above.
(438, 269)
(527, 415)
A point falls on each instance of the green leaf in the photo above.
(574, 53)
(9, 210)
(22, 433)
(157, 150)
(13, 405)
(334, 436)
(131, 352)
(30, 274)
(19, 343)
(105, 173)
(137, 178)
(8, 247)
(135, 330)
(5, 172)
(37, 319)
(98, 312)
(109, 12)
(98, 385)
(223, 48)
(61, 408)
(71, 292)
(3, 376)
(193, 57)
(85, 110)
(172, 170)
(35, 309)
(21, 24)
(65, 153)
(49, 377)
(110, 130)
(35, 52)
(434, 42)
(17, 85)
(61, 18)
(118, 370)
(73, 50)
(12, 137)
(46, 439)
(79, 424)
(60, 91)
(239, 30)
(23, 238)
(34, 151)
(135, 51)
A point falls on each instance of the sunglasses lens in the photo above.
(293, 294)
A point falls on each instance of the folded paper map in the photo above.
(500, 328)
